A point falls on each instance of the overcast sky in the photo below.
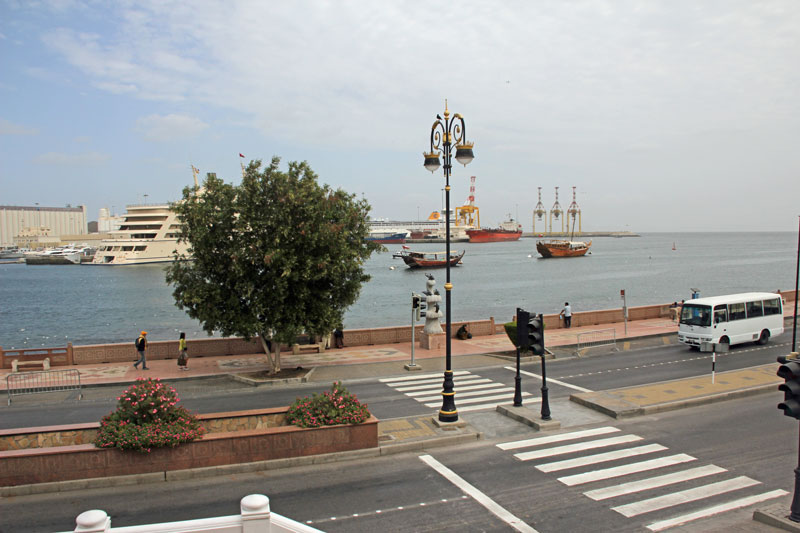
(679, 115)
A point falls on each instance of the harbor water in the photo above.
(47, 306)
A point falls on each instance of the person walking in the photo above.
(183, 358)
(141, 347)
(566, 313)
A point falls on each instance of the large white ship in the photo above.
(148, 234)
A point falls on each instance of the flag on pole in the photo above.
(240, 155)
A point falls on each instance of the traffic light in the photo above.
(522, 329)
(790, 371)
(419, 303)
(536, 334)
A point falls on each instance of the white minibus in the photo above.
(731, 319)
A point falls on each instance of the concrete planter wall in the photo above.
(82, 461)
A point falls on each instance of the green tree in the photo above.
(274, 257)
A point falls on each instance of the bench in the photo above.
(16, 363)
(318, 347)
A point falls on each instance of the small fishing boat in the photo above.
(429, 259)
(556, 248)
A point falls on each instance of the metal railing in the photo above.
(598, 337)
(43, 381)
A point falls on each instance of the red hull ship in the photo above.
(509, 230)
(493, 235)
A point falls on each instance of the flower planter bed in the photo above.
(232, 438)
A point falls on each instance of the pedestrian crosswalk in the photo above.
(630, 477)
(473, 392)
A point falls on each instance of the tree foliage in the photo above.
(274, 257)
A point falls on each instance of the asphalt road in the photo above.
(747, 437)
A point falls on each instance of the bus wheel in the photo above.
(725, 340)
(764, 338)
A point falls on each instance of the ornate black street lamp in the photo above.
(446, 132)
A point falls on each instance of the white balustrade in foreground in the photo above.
(255, 517)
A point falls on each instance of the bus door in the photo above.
(720, 321)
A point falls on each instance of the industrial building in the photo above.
(39, 224)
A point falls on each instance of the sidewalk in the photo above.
(349, 363)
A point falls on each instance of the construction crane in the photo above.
(539, 212)
(556, 212)
(468, 214)
(574, 211)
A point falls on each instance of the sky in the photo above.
(674, 115)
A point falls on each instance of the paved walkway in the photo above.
(349, 363)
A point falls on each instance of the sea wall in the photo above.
(85, 461)
(125, 352)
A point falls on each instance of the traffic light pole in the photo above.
(545, 401)
(794, 516)
(522, 341)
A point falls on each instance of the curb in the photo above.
(272, 382)
(241, 468)
(610, 405)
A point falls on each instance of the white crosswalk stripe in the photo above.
(572, 448)
(654, 482)
(716, 509)
(688, 495)
(557, 438)
(665, 491)
(473, 393)
(600, 458)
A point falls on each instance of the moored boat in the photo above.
(558, 248)
(429, 259)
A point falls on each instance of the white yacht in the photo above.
(148, 234)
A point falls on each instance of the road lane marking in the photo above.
(684, 496)
(468, 381)
(653, 482)
(557, 438)
(458, 389)
(711, 511)
(643, 466)
(477, 495)
(492, 405)
(600, 458)
(507, 397)
(578, 447)
(557, 382)
(459, 394)
(438, 375)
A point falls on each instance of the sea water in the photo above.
(50, 305)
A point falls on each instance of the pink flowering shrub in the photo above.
(330, 408)
(147, 418)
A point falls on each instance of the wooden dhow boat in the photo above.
(429, 259)
(556, 248)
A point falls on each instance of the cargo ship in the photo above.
(509, 230)
(388, 237)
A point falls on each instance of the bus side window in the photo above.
(737, 312)
(720, 314)
(754, 309)
(772, 307)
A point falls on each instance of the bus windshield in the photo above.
(696, 315)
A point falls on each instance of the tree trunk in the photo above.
(274, 363)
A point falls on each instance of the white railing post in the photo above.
(255, 514)
(94, 521)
